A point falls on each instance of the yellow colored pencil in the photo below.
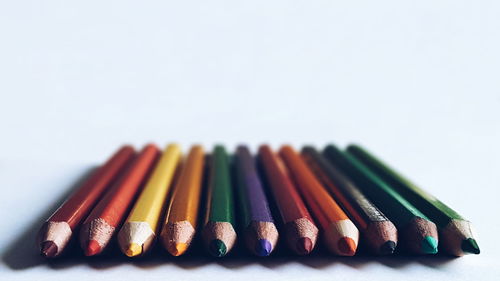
(182, 214)
(139, 230)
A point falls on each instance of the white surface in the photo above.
(415, 81)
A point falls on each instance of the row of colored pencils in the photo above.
(338, 195)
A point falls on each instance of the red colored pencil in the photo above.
(58, 229)
(110, 212)
(300, 231)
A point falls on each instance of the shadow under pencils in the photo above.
(23, 253)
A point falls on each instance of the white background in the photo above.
(417, 82)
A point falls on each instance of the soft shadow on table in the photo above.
(23, 251)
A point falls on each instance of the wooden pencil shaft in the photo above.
(436, 210)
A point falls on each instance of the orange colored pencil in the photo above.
(109, 213)
(340, 234)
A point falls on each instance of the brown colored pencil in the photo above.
(300, 231)
(58, 229)
(109, 213)
(341, 235)
(379, 232)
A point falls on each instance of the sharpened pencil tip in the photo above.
(93, 248)
(217, 248)
(133, 250)
(347, 246)
(263, 248)
(48, 249)
(388, 248)
(304, 246)
(177, 249)
(429, 245)
(469, 245)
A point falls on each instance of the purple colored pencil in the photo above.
(260, 232)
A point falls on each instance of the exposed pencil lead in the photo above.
(93, 248)
(347, 246)
(177, 249)
(388, 248)
(263, 248)
(470, 246)
(48, 249)
(133, 250)
(217, 248)
(429, 245)
(304, 245)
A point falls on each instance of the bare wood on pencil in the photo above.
(455, 233)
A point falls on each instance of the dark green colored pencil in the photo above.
(417, 233)
(218, 233)
(455, 232)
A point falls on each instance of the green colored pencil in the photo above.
(418, 234)
(454, 230)
(218, 233)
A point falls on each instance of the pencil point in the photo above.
(177, 249)
(304, 245)
(217, 248)
(263, 248)
(388, 248)
(133, 250)
(347, 246)
(93, 248)
(429, 245)
(470, 246)
(48, 249)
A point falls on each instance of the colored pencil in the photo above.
(56, 232)
(379, 232)
(341, 235)
(218, 231)
(260, 232)
(140, 228)
(300, 231)
(107, 215)
(455, 231)
(415, 230)
(181, 220)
